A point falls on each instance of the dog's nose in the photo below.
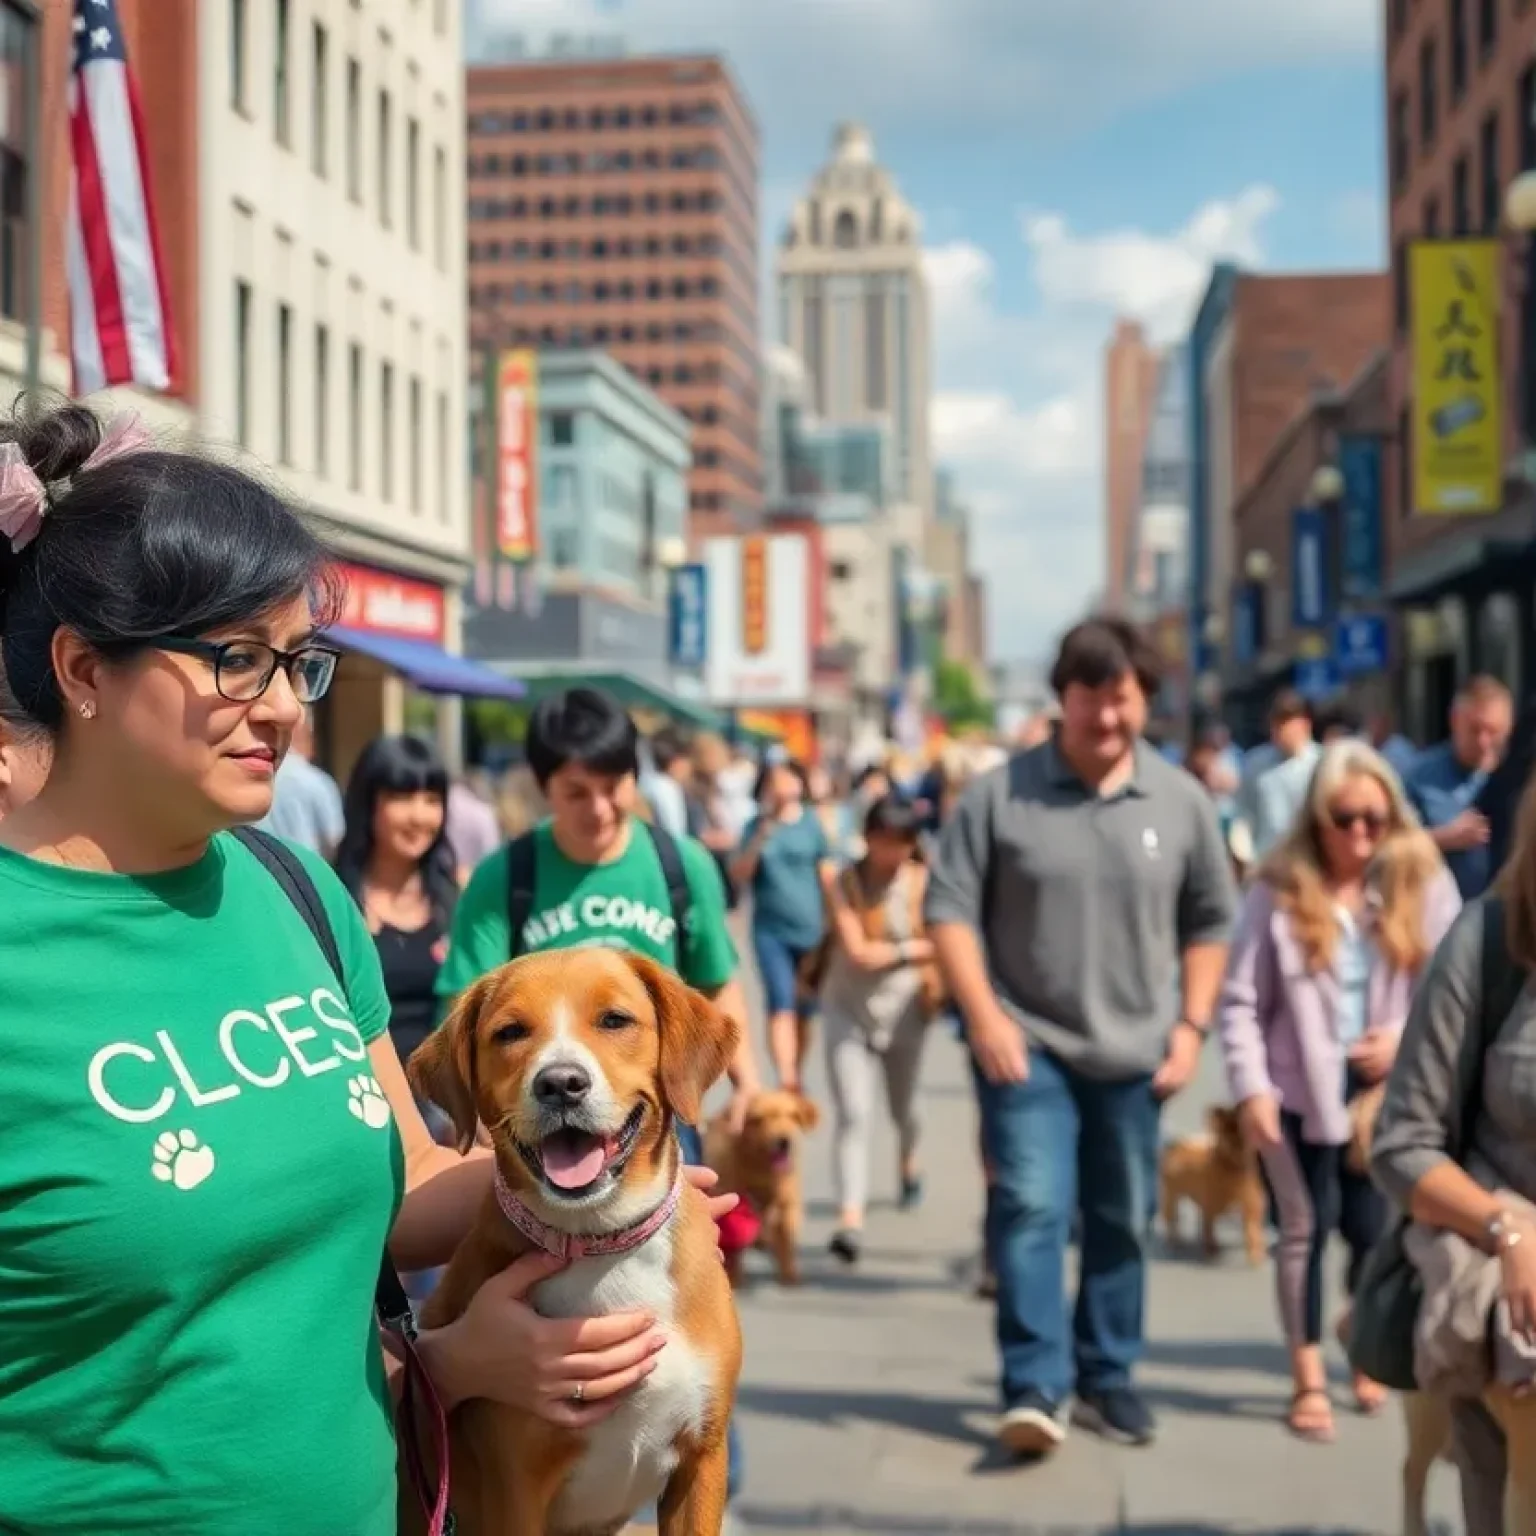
(562, 1086)
(781, 1146)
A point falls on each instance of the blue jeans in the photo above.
(1067, 1147)
(692, 1143)
(777, 964)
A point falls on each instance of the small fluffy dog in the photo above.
(762, 1165)
(579, 1063)
(1216, 1173)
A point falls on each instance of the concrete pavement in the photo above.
(867, 1399)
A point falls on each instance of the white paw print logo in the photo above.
(366, 1100)
(181, 1159)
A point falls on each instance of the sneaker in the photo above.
(845, 1246)
(911, 1193)
(1033, 1426)
(1117, 1413)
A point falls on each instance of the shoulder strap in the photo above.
(1502, 982)
(675, 873)
(285, 867)
(522, 879)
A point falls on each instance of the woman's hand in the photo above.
(1372, 1056)
(1259, 1119)
(570, 1371)
(1517, 1276)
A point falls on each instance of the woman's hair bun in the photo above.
(55, 436)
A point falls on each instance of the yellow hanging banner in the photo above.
(1458, 426)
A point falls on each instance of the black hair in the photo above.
(582, 726)
(765, 772)
(894, 815)
(868, 772)
(148, 545)
(668, 746)
(1102, 651)
(1339, 716)
(397, 765)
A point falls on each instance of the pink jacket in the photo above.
(1277, 1020)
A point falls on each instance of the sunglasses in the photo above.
(1370, 821)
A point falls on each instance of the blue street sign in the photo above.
(1316, 679)
(1360, 644)
(1360, 536)
(688, 617)
(1309, 570)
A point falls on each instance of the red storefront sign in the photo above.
(382, 603)
(517, 426)
(754, 595)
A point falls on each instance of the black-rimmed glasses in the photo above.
(243, 669)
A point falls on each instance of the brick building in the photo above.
(1265, 645)
(613, 203)
(1131, 367)
(1275, 344)
(1461, 124)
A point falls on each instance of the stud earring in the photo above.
(86, 710)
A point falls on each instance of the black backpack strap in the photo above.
(1502, 983)
(675, 873)
(522, 879)
(286, 868)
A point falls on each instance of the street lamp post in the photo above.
(1520, 214)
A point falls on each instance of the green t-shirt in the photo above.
(623, 903)
(197, 1177)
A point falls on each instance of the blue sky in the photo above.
(1071, 160)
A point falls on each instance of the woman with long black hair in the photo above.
(396, 861)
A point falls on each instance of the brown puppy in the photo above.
(762, 1165)
(1216, 1173)
(578, 1063)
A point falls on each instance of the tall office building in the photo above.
(853, 305)
(613, 204)
(1131, 367)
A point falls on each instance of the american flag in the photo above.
(120, 320)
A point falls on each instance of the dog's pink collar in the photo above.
(581, 1245)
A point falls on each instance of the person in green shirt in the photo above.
(210, 1140)
(594, 873)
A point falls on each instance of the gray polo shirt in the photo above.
(1085, 901)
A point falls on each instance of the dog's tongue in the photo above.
(571, 1159)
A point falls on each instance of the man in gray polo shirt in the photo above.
(1071, 885)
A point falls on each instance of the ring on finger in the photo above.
(579, 1393)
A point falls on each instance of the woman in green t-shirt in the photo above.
(209, 1137)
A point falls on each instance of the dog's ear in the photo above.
(697, 1039)
(442, 1067)
(809, 1115)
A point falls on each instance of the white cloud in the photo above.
(1153, 278)
(985, 64)
(1019, 414)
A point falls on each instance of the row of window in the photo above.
(549, 120)
(393, 408)
(410, 149)
(1457, 68)
(704, 157)
(1476, 195)
(572, 207)
(572, 292)
(594, 250)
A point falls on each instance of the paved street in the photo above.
(867, 1396)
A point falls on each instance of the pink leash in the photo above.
(400, 1324)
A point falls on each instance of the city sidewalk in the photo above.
(867, 1398)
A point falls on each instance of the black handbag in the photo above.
(1390, 1292)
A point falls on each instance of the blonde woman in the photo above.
(1330, 943)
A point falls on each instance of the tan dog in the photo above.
(579, 1063)
(1216, 1173)
(1427, 1420)
(762, 1165)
